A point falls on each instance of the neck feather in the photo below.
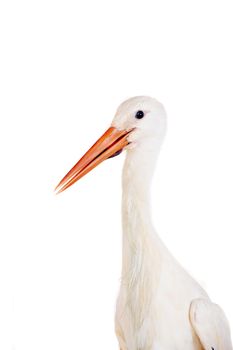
(141, 254)
(136, 218)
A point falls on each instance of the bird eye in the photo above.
(139, 115)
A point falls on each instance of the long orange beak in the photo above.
(108, 145)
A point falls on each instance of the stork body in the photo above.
(160, 306)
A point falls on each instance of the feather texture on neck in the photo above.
(141, 255)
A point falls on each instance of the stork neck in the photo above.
(142, 248)
(136, 184)
(138, 232)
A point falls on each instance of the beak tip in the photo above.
(57, 189)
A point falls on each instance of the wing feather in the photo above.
(210, 325)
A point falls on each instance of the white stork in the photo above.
(160, 306)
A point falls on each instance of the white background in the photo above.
(65, 67)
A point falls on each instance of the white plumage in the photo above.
(160, 306)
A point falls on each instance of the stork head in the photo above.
(145, 117)
(139, 124)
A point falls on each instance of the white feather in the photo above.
(211, 325)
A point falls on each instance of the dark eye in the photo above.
(139, 115)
